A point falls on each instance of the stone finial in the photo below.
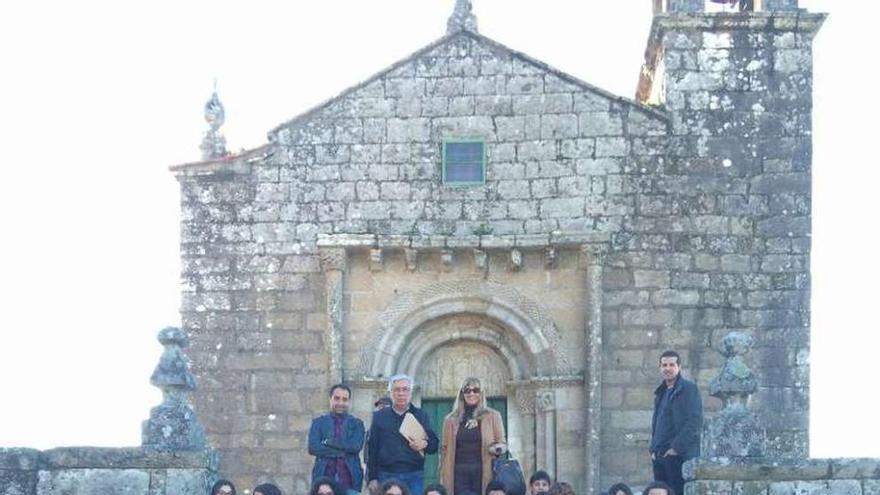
(214, 144)
(735, 432)
(173, 424)
(736, 382)
(462, 19)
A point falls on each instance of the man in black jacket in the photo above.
(677, 422)
(391, 455)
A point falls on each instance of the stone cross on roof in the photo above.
(462, 19)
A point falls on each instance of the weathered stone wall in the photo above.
(90, 471)
(825, 476)
(721, 235)
(705, 209)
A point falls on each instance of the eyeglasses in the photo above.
(470, 390)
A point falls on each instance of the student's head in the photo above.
(540, 482)
(562, 488)
(620, 489)
(658, 488)
(394, 487)
(340, 398)
(325, 486)
(471, 393)
(495, 488)
(435, 489)
(267, 489)
(401, 389)
(670, 366)
(223, 487)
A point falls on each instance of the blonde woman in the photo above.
(473, 435)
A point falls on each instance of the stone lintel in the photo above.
(449, 241)
(798, 21)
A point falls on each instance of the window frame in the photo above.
(444, 163)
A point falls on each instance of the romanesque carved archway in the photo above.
(525, 335)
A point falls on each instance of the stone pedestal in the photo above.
(173, 425)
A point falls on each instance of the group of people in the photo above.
(472, 437)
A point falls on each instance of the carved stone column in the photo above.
(333, 263)
(593, 257)
(546, 424)
(523, 440)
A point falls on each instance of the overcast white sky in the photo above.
(98, 98)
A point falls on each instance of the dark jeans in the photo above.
(415, 480)
(468, 479)
(668, 470)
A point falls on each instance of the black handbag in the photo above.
(509, 473)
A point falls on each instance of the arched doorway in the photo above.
(445, 368)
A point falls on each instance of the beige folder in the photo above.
(411, 428)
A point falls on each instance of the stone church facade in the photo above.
(604, 231)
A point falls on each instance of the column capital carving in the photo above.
(546, 400)
(592, 255)
(333, 259)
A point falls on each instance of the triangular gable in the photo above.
(448, 41)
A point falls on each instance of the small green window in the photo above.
(464, 162)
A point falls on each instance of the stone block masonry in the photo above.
(701, 207)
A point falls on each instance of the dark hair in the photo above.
(334, 486)
(658, 484)
(562, 488)
(385, 401)
(435, 487)
(495, 486)
(392, 482)
(221, 483)
(267, 489)
(540, 475)
(671, 354)
(342, 386)
(620, 487)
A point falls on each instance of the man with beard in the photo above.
(677, 422)
(336, 439)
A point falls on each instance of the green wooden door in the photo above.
(437, 409)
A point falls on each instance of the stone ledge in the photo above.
(783, 470)
(474, 241)
(105, 458)
(20, 459)
(798, 21)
